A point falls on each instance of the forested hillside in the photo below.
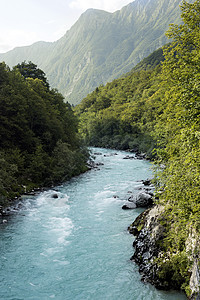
(122, 113)
(38, 138)
(159, 109)
(100, 46)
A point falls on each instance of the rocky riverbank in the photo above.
(144, 197)
(161, 268)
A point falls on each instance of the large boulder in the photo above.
(143, 199)
(129, 205)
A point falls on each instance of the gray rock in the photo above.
(54, 196)
(129, 205)
(195, 281)
(145, 244)
(129, 157)
(132, 198)
(140, 155)
(143, 200)
(147, 182)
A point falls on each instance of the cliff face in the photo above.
(194, 281)
(192, 247)
(157, 265)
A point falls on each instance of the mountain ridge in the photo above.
(100, 46)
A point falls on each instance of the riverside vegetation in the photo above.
(156, 109)
(39, 141)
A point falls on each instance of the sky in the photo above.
(24, 22)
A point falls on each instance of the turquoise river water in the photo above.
(76, 246)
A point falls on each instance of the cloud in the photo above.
(50, 22)
(15, 38)
(108, 5)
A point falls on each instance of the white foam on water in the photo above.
(53, 254)
(104, 194)
(61, 262)
(62, 240)
(32, 284)
(60, 223)
(104, 199)
(60, 228)
(99, 214)
(51, 210)
(54, 198)
(50, 251)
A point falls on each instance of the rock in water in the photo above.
(143, 200)
(129, 205)
(54, 196)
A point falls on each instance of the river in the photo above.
(71, 242)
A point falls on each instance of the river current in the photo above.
(71, 242)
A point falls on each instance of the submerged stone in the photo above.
(54, 196)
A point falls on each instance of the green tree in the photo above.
(177, 132)
(30, 70)
(33, 119)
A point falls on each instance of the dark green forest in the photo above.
(39, 143)
(156, 109)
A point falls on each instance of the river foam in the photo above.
(71, 242)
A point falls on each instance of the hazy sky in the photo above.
(24, 22)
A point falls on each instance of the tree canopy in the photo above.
(30, 70)
(39, 143)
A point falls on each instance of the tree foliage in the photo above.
(30, 70)
(35, 125)
(122, 113)
(179, 128)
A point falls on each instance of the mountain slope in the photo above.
(100, 46)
